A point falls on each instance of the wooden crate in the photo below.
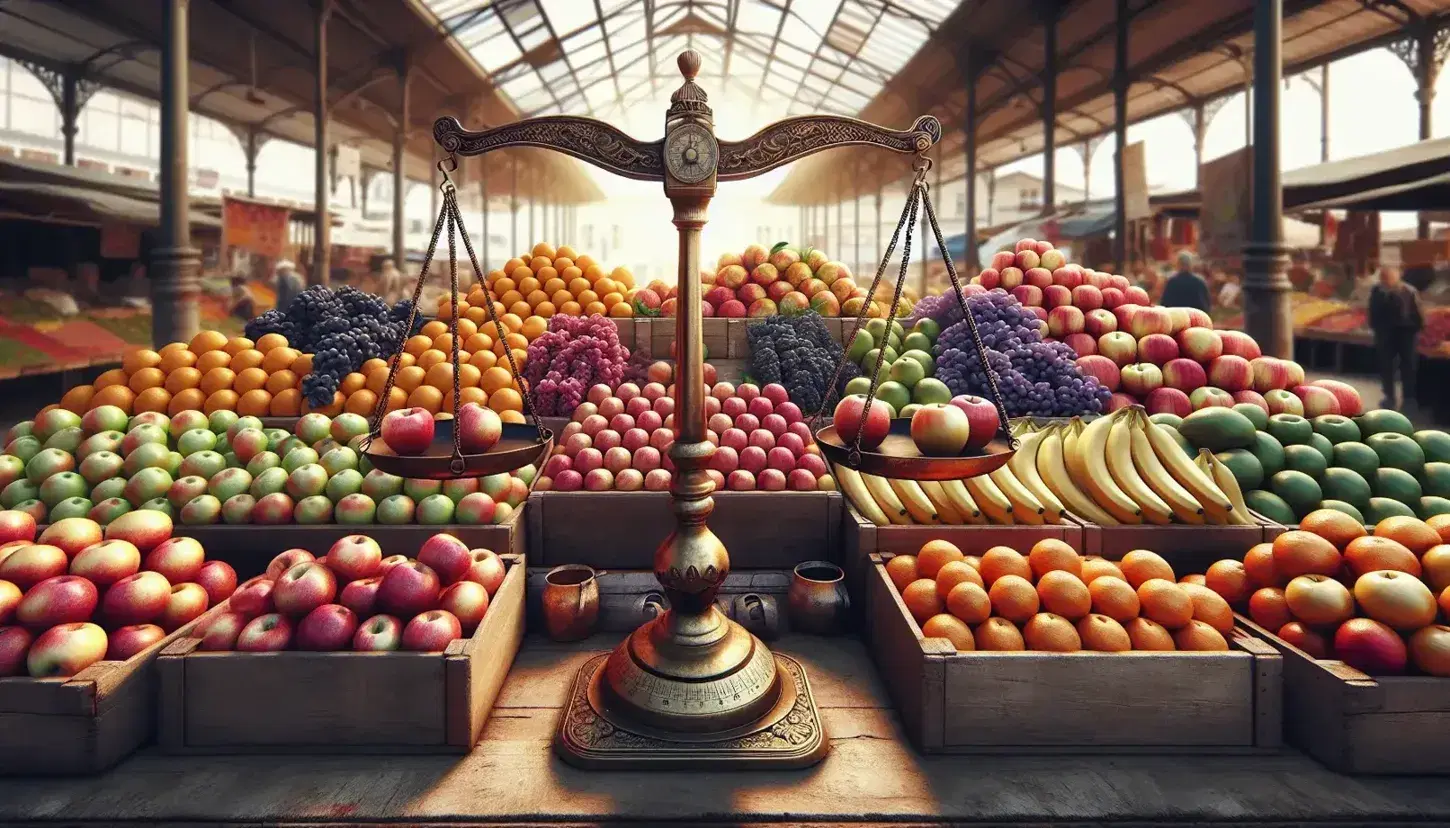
(342, 702)
(1186, 548)
(86, 723)
(250, 548)
(1357, 723)
(736, 346)
(621, 530)
(1032, 702)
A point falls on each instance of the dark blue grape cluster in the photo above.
(799, 353)
(341, 328)
(1035, 378)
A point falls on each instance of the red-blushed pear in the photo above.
(431, 631)
(408, 431)
(286, 560)
(16, 526)
(72, 534)
(304, 588)
(218, 579)
(378, 634)
(10, 596)
(146, 528)
(221, 633)
(1397, 599)
(1371, 647)
(1231, 373)
(1430, 650)
(467, 601)
(937, 429)
(67, 649)
(852, 418)
(179, 559)
(29, 565)
(486, 568)
(138, 599)
(479, 428)
(130, 640)
(447, 555)
(268, 633)
(982, 419)
(14, 645)
(328, 628)
(409, 589)
(107, 562)
(64, 599)
(1350, 404)
(389, 562)
(253, 598)
(354, 557)
(1202, 344)
(186, 604)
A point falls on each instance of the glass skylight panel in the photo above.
(568, 15)
(587, 54)
(534, 37)
(496, 52)
(796, 33)
(552, 72)
(524, 85)
(756, 16)
(520, 15)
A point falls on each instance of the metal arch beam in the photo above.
(377, 75)
(126, 50)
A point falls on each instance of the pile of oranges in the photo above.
(549, 281)
(1055, 600)
(210, 373)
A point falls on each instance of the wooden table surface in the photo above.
(871, 776)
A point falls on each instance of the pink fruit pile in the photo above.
(354, 598)
(620, 441)
(761, 282)
(654, 299)
(78, 595)
(1041, 278)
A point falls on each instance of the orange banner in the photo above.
(259, 228)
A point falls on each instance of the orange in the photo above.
(1147, 634)
(1259, 567)
(513, 264)
(953, 573)
(255, 403)
(154, 398)
(515, 417)
(506, 399)
(1193, 578)
(171, 346)
(269, 341)
(511, 299)
(583, 262)
(115, 376)
(478, 314)
(1415, 534)
(561, 261)
(1014, 598)
(530, 286)
(433, 329)
(1141, 565)
(601, 283)
(409, 378)
(512, 322)
(1051, 633)
(595, 309)
(213, 359)
(587, 296)
(902, 570)
(217, 379)
(974, 562)
(1334, 526)
(302, 365)
(934, 555)
(208, 341)
(1114, 598)
(332, 409)
(468, 375)
(443, 342)
(998, 634)
(1103, 634)
(249, 358)
(417, 344)
(545, 309)
(1051, 554)
(478, 342)
(445, 309)
(520, 358)
(1210, 607)
(521, 309)
(427, 397)
(352, 382)
(969, 602)
(237, 344)
(430, 358)
(361, 401)
(280, 381)
(1373, 552)
(1094, 568)
(621, 311)
(1229, 579)
(1165, 602)
(140, 358)
(222, 400)
(543, 251)
(1269, 608)
(1063, 593)
(578, 286)
(286, 403)
(249, 380)
(397, 398)
(1001, 560)
(466, 329)
(78, 399)
(495, 378)
(405, 359)
(950, 628)
(376, 382)
(1197, 636)
(190, 399)
(547, 273)
(146, 378)
(1297, 552)
(440, 376)
(476, 395)
(921, 599)
(570, 308)
(279, 358)
(554, 285)
(1441, 524)
(374, 366)
(176, 358)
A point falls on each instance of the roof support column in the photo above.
(1200, 127)
(1266, 288)
(1049, 114)
(1120, 137)
(251, 147)
(991, 196)
(175, 285)
(322, 227)
(969, 128)
(70, 110)
(400, 181)
(71, 92)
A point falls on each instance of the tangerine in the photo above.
(902, 570)
(224, 399)
(934, 555)
(266, 342)
(208, 341)
(483, 360)
(249, 358)
(301, 366)
(1415, 534)
(476, 395)
(354, 381)
(1014, 598)
(969, 602)
(1165, 602)
(417, 344)
(146, 378)
(1441, 524)
(1147, 634)
(213, 359)
(249, 380)
(362, 401)
(1113, 597)
(1259, 567)
(1210, 607)
(430, 358)
(237, 344)
(514, 417)
(1103, 634)
(254, 403)
(409, 378)
(998, 635)
(139, 358)
(286, 403)
(217, 379)
(953, 573)
(281, 381)
(1297, 552)
(1375, 552)
(952, 629)
(1051, 633)
(495, 378)
(433, 329)
(176, 358)
(506, 399)
(1193, 578)
(426, 397)
(921, 599)
(118, 395)
(1196, 636)
(1063, 593)
(1269, 609)
(115, 376)
(169, 347)
(1334, 526)
(468, 375)
(619, 310)
(1051, 554)
(974, 561)
(188, 399)
(397, 398)
(1140, 565)
(440, 376)
(570, 308)
(78, 399)
(1229, 579)
(154, 398)
(1000, 561)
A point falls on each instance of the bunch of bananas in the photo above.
(1121, 468)
(1001, 498)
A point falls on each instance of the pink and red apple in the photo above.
(852, 419)
(1119, 346)
(408, 589)
(1141, 378)
(130, 640)
(64, 650)
(479, 428)
(1101, 368)
(1350, 404)
(1098, 322)
(982, 419)
(222, 631)
(72, 534)
(380, 633)
(938, 430)
(1229, 372)
(354, 557)
(186, 603)
(14, 645)
(1157, 348)
(408, 431)
(1209, 397)
(179, 559)
(1184, 374)
(431, 631)
(1240, 344)
(1202, 344)
(107, 562)
(1167, 400)
(1317, 400)
(268, 633)
(1371, 647)
(467, 601)
(327, 628)
(1150, 320)
(1280, 401)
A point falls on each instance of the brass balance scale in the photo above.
(690, 688)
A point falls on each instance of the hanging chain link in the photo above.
(450, 205)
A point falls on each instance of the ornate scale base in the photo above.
(788, 735)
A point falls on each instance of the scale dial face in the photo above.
(691, 154)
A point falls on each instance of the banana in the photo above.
(1024, 468)
(1052, 467)
(1184, 505)
(995, 505)
(1216, 505)
(943, 504)
(1239, 515)
(855, 490)
(963, 501)
(1088, 462)
(881, 491)
(1026, 508)
(915, 501)
(1120, 464)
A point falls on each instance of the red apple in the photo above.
(186, 604)
(1316, 400)
(361, 596)
(409, 589)
(354, 557)
(1350, 404)
(1319, 600)
(1087, 297)
(1270, 374)
(1112, 297)
(138, 599)
(1184, 374)
(1180, 320)
(72, 534)
(1252, 398)
(1030, 295)
(128, 641)
(1158, 349)
(179, 559)
(1369, 646)
(1240, 344)
(1229, 372)
(851, 419)
(1124, 314)
(1103, 369)
(146, 528)
(29, 565)
(1396, 599)
(63, 651)
(408, 431)
(14, 645)
(304, 588)
(64, 599)
(1136, 294)
(286, 561)
(1305, 638)
(380, 633)
(1003, 259)
(1167, 400)
(218, 579)
(1284, 402)
(16, 525)
(1119, 346)
(107, 562)
(1140, 378)
(937, 429)
(221, 634)
(1055, 296)
(389, 562)
(1064, 320)
(1209, 397)
(1081, 344)
(982, 419)
(1150, 320)
(253, 598)
(479, 428)
(1202, 344)
(1099, 322)
(1430, 650)
(10, 597)
(268, 633)
(448, 556)
(327, 628)
(486, 568)
(468, 601)
(431, 631)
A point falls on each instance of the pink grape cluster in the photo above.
(575, 353)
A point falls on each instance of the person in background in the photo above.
(243, 306)
(1185, 289)
(390, 282)
(1395, 318)
(288, 284)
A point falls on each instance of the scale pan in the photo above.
(518, 446)
(897, 456)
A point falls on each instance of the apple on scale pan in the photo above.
(412, 443)
(933, 444)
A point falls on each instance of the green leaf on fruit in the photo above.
(779, 246)
(641, 309)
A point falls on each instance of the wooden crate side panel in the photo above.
(913, 681)
(476, 672)
(972, 540)
(35, 743)
(1268, 691)
(736, 345)
(716, 335)
(1394, 743)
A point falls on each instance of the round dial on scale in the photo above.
(691, 154)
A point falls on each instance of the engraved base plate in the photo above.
(789, 736)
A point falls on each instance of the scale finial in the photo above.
(689, 63)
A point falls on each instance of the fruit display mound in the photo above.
(782, 280)
(546, 282)
(799, 353)
(575, 354)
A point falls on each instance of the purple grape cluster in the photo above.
(1036, 378)
(574, 354)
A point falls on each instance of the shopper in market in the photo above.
(1185, 289)
(288, 283)
(243, 306)
(1395, 318)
